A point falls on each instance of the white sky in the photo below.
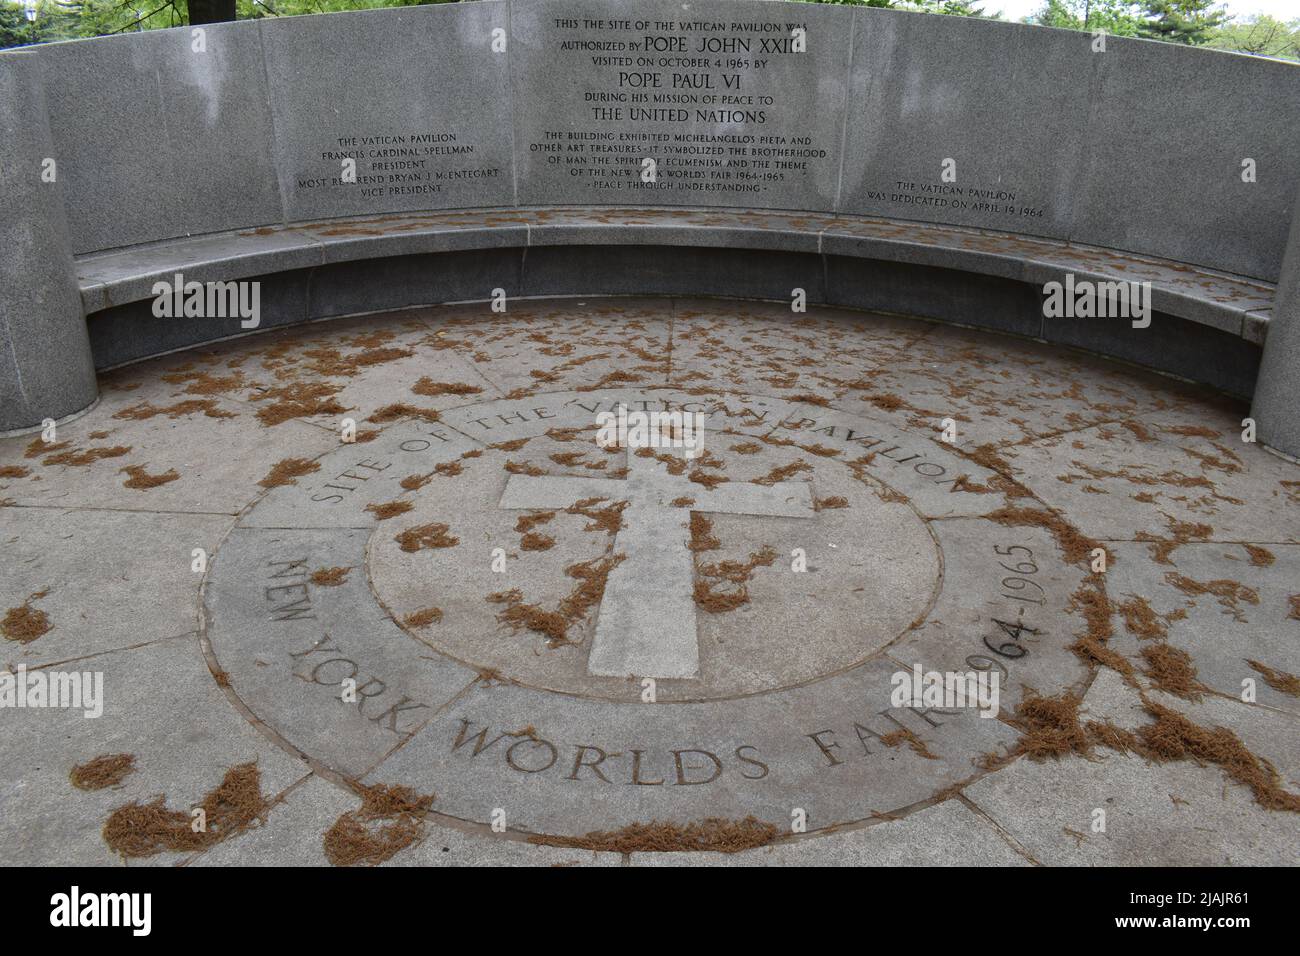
(1282, 9)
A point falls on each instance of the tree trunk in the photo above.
(211, 11)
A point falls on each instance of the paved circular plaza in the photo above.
(397, 556)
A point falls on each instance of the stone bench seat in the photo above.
(1233, 304)
(1208, 325)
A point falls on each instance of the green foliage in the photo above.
(1260, 36)
(50, 21)
(952, 8)
(73, 19)
(15, 30)
(1116, 17)
(1192, 22)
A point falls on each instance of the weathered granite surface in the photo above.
(710, 93)
(415, 97)
(1048, 135)
(160, 139)
(1277, 396)
(925, 91)
(46, 370)
(310, 584)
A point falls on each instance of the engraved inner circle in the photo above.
(563, 565)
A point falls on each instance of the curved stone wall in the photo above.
(506, 104)
(1137, 148)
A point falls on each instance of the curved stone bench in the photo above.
(890, 161)
(917, 268)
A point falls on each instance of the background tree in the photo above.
(15, 28)
(1116, 17)
(1260, 36)
(1182, 21)
(952, 8)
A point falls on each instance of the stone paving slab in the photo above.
(293, 835)
(1174, 814)
(1120, 484)
(1249, 619)
(95, 604)
(1171, 815)
(179, 454)
(1266, 732)
(160, 705)
(946, 834)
